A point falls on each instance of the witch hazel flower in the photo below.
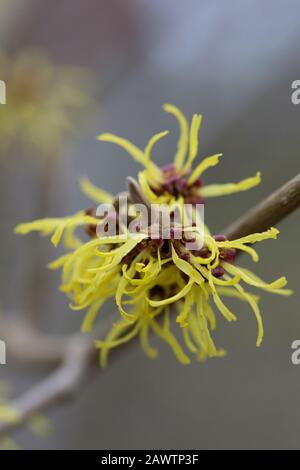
(179, 181)
(160, 286)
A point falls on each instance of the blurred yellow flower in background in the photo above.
(43, 101)
(37, 422)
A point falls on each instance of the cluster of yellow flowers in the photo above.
(176, 182)
(151, 279)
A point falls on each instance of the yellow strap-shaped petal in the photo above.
(136, 153)
(55, 226)
(253, 280)
(144, 340)
(210, 315)
(105, 345)
(174, 298)
(194, 131)
(239, 246)
(202, 331)
(143, 180)
(255, 308)
(208, 162)
(171, 340)
(120, 252)
(188, 341)
(279, 284)
(117, 342)
(71, 241)
(90, 316)
(152, 142)
(221, 306)
(132, 149)
(214, 190)
(59, 262)
(207, 274)
(183, 140)
(84, 252)
(255, 237)
(94, 193)
(232, 292)
(182, 318)
(187, 268)
(120, 292)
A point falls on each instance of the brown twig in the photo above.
(62, 384)
(269, 212)
(79, 352)
(27, 345)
